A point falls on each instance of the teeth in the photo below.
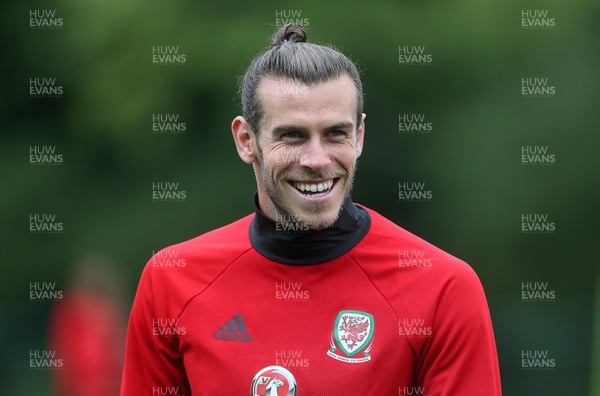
(318, 187)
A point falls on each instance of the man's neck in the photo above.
(291, 243)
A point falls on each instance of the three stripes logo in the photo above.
(234, 330)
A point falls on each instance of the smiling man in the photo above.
(312, 294)
(305, 153)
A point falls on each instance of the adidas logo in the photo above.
(234, 330)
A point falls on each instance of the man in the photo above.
(311, 294)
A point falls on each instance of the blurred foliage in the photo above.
(471, 160)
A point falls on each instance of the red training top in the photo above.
(263, 308)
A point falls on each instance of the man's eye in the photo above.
(336, 133)
(291, 135)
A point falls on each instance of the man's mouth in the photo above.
(314, 188)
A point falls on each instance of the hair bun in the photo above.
(290, 32)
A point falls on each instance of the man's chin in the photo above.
(317, 221)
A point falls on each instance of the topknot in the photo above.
(290, 32)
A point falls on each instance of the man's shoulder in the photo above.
(395, 258)
(223, 242)
(199, 260)
(388, 238)
(180, 271)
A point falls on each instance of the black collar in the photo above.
(287, 243)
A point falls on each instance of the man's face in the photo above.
(308, 145)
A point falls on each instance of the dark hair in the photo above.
(291, 57)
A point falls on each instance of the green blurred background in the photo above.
(471, 161)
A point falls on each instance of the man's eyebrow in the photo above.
(289, 128)
(297, 128)
(340, 125)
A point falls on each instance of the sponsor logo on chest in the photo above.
(273, 381)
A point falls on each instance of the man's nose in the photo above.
(315, 155)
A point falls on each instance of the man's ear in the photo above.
(244, 140)
(360, 135)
